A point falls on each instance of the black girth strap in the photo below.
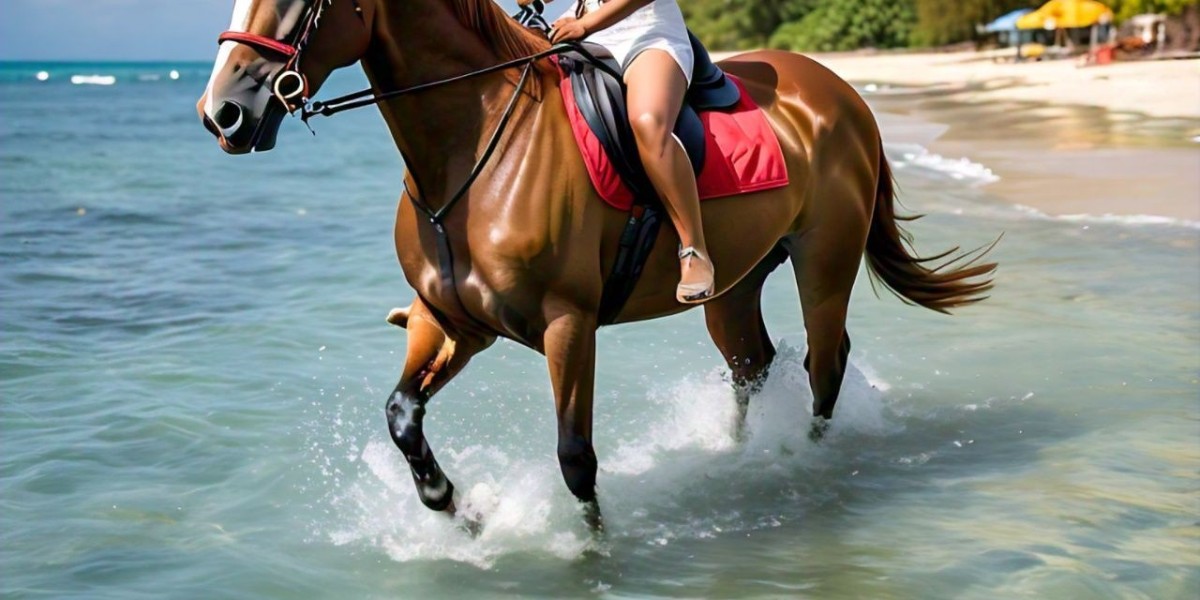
(637, 240)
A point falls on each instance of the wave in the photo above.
(1109, 218)
(93, 79)
(100, 73)
(917, 158)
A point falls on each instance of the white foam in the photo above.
(1108, 218)
(917, 158)
(93, 79)
(43, 75)
(668, 480)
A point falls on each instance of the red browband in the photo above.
(257, 41)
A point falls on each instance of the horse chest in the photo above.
(492, 291)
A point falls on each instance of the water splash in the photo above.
(666, 481)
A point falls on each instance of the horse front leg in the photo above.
(435, 355)
(570, 346)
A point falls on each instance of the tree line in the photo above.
(833, 25)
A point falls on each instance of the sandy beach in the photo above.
(1118, 139)
(1165, 89)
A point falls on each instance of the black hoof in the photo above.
(816, 433)
(593, 518)
(471, 525)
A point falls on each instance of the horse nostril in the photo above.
(210, 126)
(229, 118)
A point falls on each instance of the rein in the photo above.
(529, 16)
(437, 218)
(369, 97)
(291, 50)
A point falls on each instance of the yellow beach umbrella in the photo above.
(1066, 14)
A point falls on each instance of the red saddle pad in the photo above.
(743, 152)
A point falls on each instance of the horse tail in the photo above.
(957, 281)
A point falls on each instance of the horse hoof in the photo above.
(399, 317)
(471, 525)
(593, 518)
(468, 521)
(820, 425)
(740, 432)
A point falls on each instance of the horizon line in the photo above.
(104, 60)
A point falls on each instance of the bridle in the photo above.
(290, 86)
(294, 97)
(286, 91)
(294, 47)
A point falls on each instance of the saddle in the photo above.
(598, 90)
(729, 142)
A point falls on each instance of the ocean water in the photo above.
(193, 365)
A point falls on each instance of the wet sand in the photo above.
(1155, 88)
(1059, 159)
(1121, 139)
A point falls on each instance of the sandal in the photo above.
(694, 293)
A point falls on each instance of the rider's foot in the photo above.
(696, 280)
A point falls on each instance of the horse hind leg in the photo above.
(736, 326)
(825, 260)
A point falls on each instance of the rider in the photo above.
(650, 41)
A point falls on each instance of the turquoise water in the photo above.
(194, 362)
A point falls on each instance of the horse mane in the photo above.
(499, 31)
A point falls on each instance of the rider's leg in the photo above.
(656, 90)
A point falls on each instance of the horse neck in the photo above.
(438, 131)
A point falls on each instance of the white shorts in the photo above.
(658, 25)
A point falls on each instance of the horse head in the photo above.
(274, 56)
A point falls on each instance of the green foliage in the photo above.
(740, 24)
(831, 25)
(834, 25)
(948, 21)
(1123, 9)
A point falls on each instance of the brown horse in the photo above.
(531, 243)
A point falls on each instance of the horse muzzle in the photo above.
(247, 119)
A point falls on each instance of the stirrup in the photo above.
(694, 293)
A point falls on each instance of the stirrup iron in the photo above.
(693, 293)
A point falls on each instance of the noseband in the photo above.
(289, 49)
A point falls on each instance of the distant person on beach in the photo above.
(650, 41)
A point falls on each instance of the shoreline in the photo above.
(1113, 140)
(1161, 89)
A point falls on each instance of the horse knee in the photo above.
(404, 415)
(650, 129)
(577, 460)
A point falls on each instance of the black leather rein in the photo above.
(369, 97)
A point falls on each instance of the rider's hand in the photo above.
(566, 29)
